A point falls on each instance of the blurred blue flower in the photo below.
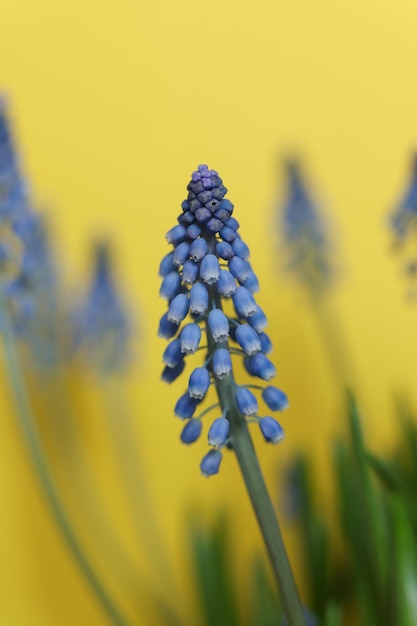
(101, 327)
(403, 222)
(31, 293)
(207, 272)
(27, 273)
(13, 194)
(305, 235)
(404, 217)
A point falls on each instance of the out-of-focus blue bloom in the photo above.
(271, 430)
(224, 250)
(244, 302)
(191, 431)
(239, 269)
(257, 320)
(185, 406)
(232, 223)
(206, 237)
(305, 235)
(266, 343)
(170, 286)
(166, 328)
(404, 217)
(275, 399)
(173, 353)
(31, 291)
(13, 193)
(27, 273)
(403, 222)
(262, 367)
(241, 250)
(248, 339)
(167, 264)
(101, 327)
(252, 282)
(226, 285)
(176, 235)
(210, 463)
(228, 234)
(170, 374)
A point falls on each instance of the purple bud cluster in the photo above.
(209, 265)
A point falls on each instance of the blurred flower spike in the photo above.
(403, 222)
(26, 270)
(100, 323)
(305, 235)
(209, 284)
(13, 194)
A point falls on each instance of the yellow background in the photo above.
(114, 105)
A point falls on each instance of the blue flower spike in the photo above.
(403, 223)
(206, 274)
(305, 235)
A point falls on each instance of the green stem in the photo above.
(334, 340)
(35, 447)
(139, 499)
(256, 487)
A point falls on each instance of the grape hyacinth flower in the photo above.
(214, 294)
(31, 293)
(101, 328)
(403, 222)
(305, 235)
(28, 283)
(215, 300)
(13, 193)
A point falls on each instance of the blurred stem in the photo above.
(256, 487)
(129, 459)
(35, 447)
(81, 482)
(334, 340)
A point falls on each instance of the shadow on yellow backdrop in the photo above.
(115, 104)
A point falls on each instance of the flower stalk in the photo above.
(33, 441)
(243, 447)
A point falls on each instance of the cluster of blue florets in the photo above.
(403, 222)
(208, 266)
(405, 214)
(25, 270)
(100, 323)
(304, 234)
